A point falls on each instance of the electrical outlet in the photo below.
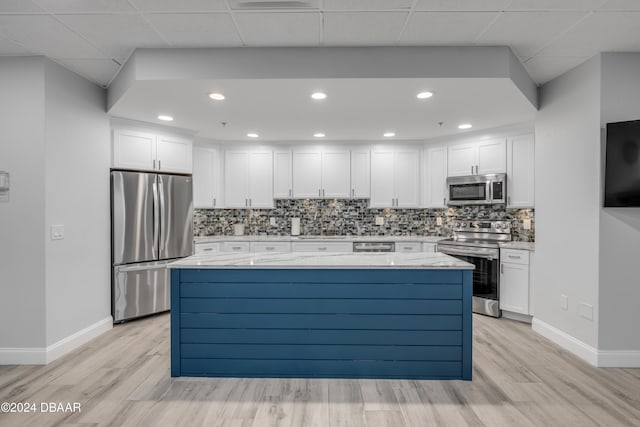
(564, 302)
(57, 232)
(439, 220)
(379, 220)
(526, 224)
(272, 221)
(585, 310)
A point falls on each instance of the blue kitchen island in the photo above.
(315, 315)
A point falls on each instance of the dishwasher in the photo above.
(374, 247)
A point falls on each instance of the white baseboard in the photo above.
(45, 355)
(599, 358)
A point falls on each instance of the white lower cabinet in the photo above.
(322, 246)
(236, 246)
(514, 281)
(270, 247)
(205, 248)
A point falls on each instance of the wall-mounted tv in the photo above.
(622, 168)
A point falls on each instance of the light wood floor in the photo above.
(520, 379)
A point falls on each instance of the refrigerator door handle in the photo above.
(163, 220)
(156, 220)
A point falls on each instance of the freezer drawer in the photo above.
(140, 289)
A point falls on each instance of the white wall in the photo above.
(22, 231)
(77, 164)
(568, 203)
(620, 227)
(54, 295)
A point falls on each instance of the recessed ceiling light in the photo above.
(216, 96)
(319, 135)
(252, 135)
(318, 95)
(389, 134)
(165, 118)
(465, 126)
(424, 95)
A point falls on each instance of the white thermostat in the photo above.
(4, 186)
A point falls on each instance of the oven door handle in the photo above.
(476, 252)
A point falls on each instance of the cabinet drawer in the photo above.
(428, 247)
(270, 247)
(408, 247)
(322, 247)
(235, 246)
(204, 248)
(514, 256)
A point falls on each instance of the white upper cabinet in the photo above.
(472, 158)
(360, 173)
(207, 178)
(320, 173)
(282, 174)
(141, 150)
(520, 171)
(248, 179)
(435, 176)
(395, 177)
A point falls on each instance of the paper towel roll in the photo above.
(295, 226)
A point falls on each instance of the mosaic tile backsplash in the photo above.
(352, 217)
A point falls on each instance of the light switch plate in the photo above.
(526, 224)
(439, 220)
(585, 310)
(379, 220)
(564, 302)
(272, 221)
(57, 232)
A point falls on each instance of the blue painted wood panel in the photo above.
(320, 336)
(321, 323)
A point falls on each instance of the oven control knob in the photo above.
(463, 225)
(458, 225)
(498, 225)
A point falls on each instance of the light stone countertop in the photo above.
(528, 246)
(314, 260)
(211, 239)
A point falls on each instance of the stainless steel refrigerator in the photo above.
(151, 225)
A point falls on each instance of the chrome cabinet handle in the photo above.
(289, 192)
(154, 164)
(214, 202)
(323, 192)
(270, 248)
(501, 268)
(207, 249)
(319, 193)
(444, 201)
(250, 202)
(322, 248)
(236, 248)
(471, 169)
(514, 256)
(353, 193)
(159, 164)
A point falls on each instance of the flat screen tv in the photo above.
(622, 168)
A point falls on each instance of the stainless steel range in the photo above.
(477, 242)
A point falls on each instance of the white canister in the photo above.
(238, 229)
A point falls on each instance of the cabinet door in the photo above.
(492, 156)
(236, 179)
(133, 149)
(282, 175)
(261, 179)
(307, 174)
(435, 177)
(461, 159)
(408, 178)
(514, 288)
(203, 181)
(173, 154)
(520, 171)
(336, 173)
(383, 178)
(360, 175)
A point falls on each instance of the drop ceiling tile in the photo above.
(85, 6)
(363, 28)
(366, 5)
(462, 5)
(44, 35)
(441, 28)
(555, 4)
(599, 32)
(196, 30)
(545, 68)
(279, 29)
(179, 6)
(99, 71)
(621, 5)
(528, 32)
(115, 35)
(19, 6)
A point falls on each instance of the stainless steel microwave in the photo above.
(477, 189)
